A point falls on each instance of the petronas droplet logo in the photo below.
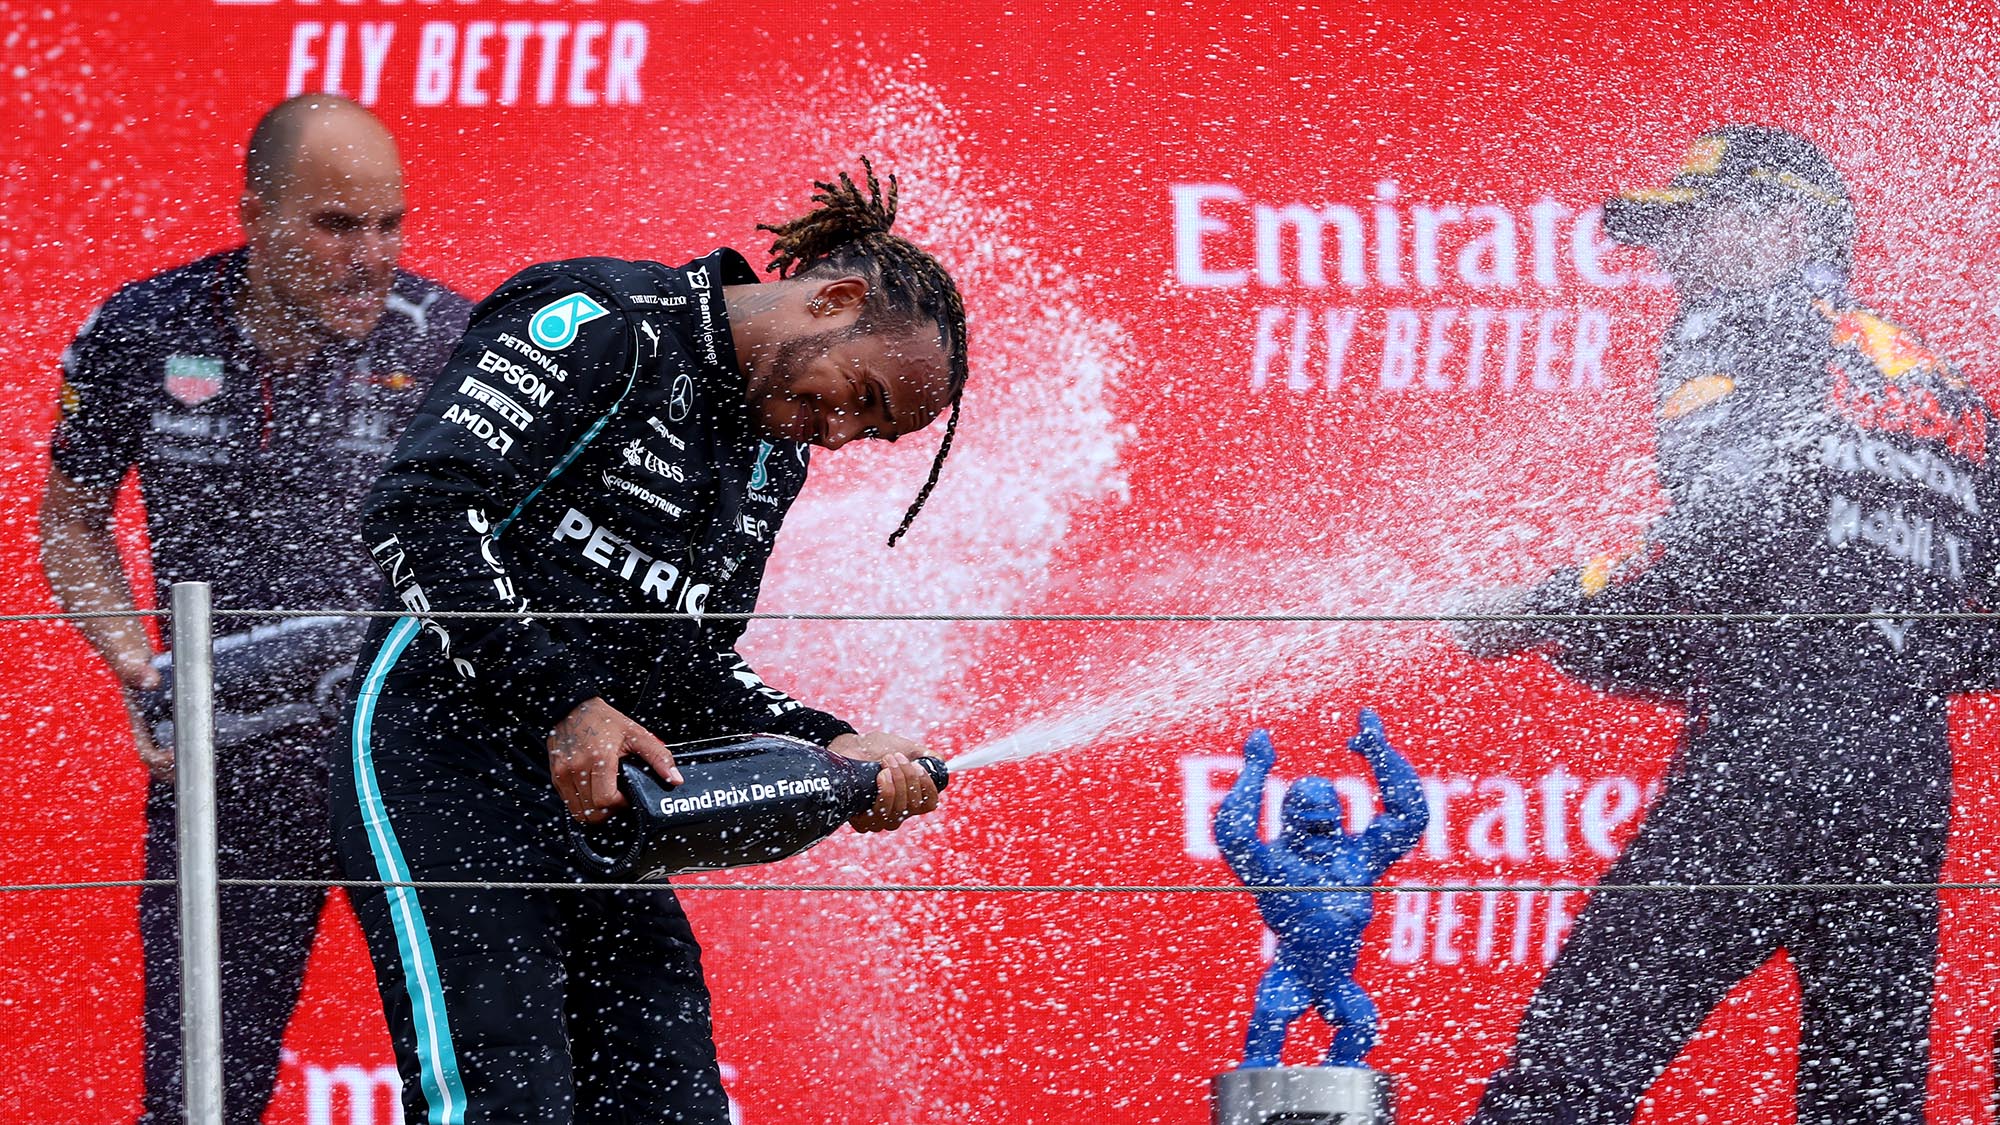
(759, 475)
(555, 326)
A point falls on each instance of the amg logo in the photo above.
(661, 429)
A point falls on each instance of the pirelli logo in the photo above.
(498, 401)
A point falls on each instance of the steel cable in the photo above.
(1059, 888)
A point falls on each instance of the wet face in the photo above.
(325, 247)
(1736, 245)
(835, 386)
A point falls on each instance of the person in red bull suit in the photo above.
(1815, 458)
(254, 395)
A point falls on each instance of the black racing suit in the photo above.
(252, 477)
(1815, 458)
(589, 447)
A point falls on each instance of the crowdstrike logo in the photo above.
(555, 326)
(643, 494)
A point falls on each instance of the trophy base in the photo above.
(1304, 1095)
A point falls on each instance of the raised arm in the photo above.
(1236, 817)
(1405, 813)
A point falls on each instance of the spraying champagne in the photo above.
(746, 799)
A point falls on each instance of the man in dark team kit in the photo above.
(619, 437)
(1815, 458)
(258, 393)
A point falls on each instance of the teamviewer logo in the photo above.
(555, 326)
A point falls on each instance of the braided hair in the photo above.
(847, 233)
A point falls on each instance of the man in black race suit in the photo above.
(1815, 457)
(257, 393)
(619, 437)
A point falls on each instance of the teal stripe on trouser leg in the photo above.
(437, 1063)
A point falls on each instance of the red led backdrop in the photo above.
(1274, 310)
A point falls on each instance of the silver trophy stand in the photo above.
(1304, 1095)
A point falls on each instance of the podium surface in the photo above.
(1304, 1095)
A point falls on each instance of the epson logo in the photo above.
(527, 382)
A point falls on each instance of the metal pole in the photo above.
(194, 797)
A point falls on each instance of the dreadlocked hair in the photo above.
(847, 232)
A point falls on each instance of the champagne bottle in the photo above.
(271, 678)
(744, 799)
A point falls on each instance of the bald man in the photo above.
(257, 393)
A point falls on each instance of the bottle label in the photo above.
(735, 795)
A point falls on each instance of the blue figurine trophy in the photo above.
(1318, 931)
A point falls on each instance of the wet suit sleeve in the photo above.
(1628, 657)
(98, 434)
(1727, 514)
(715, 691)
(1236, 817)
(469, 461)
